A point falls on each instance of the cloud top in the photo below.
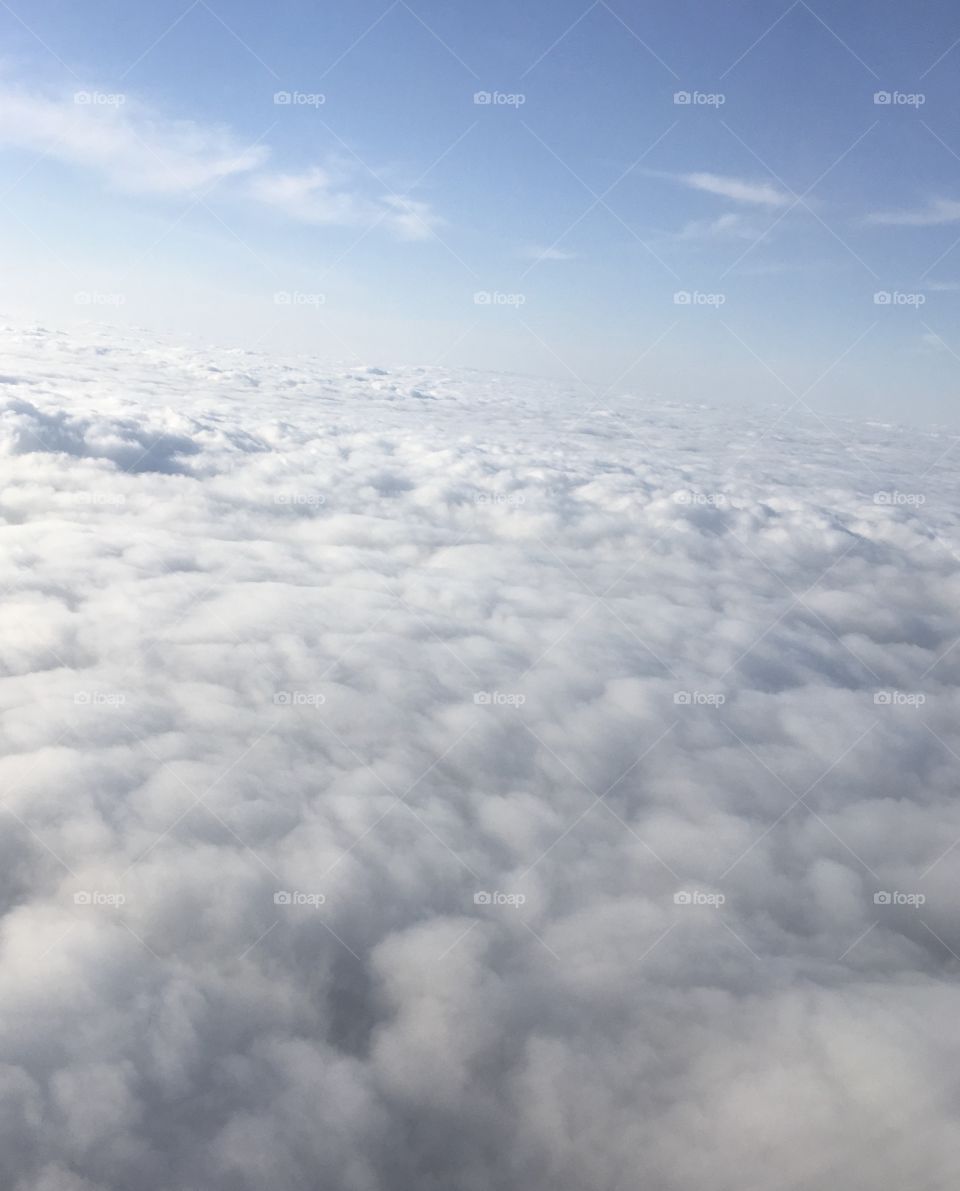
(418, 777)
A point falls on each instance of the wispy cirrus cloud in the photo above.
(139, 151)
(739, 190)
(937, 212)
(325, 196)
(131, 146)
(729, 226)
(410, 219)
(749, 192)
(534, 253)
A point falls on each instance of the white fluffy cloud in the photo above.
(506, 693)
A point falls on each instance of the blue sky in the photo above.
(147, 175)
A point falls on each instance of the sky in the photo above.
(789, 234)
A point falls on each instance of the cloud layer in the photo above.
(422, 779)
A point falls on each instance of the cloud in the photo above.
(319, 196)
(934, 214)
(933, 341)
(411, 219)
(133, 148)
(139, 151)
(533, 253)
(353, 841)
(132, 444)
(763, 194)
(311, 197)
(729, 226)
